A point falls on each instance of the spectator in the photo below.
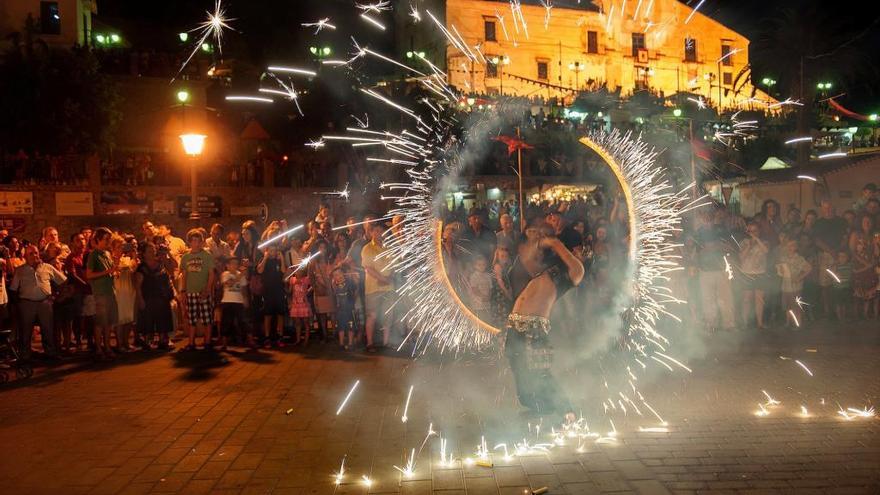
(715, 289)
(793, 269)
(753, 264)
(50, 235)
(843, 290)
(154, 291)
(480, 288)
(125, 257)
(233, 322)
(377, 286)
(13, 249)
(507, 237)
(271, 271)
(32, 281)
(300, 309)
(793, 225)
(477, 239)
(864, 232)
(828, 233)
(344, 292)
(100, 271)
(322, 287)
(215, 245)
(864, 277)
(198, 279)
(563, 231)
(869, 192)
(323, 214)
(150, 232)
(502, 294)
(769, 224)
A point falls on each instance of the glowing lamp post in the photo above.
(193, 145)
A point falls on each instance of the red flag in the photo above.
(513, 143)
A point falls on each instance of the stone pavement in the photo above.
(200, 423)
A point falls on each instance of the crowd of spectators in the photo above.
(112, 292)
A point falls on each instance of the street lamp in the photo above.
(183, 96)
(193, 145)
(577, 68)
(500, 62)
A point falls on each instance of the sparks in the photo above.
(548, 7)
(279, 236)
(799, 140)
(299, 266)
(316, 144)
(701, 103)
(762, 411)
(800, 302)
(863, 412)
(340, 227)
(373, 21)
(694, 11)
(807, 177)
(256, 99)
(375, 8)
(727, 268)
(729, 54)
(770, 400)
(804, 411)
(319, 25)
(836, 154)
(409, 468)
(796, 323)
(341, 473)
(213, 26)
(292, 70)
(414, 13)
(802, 365)
(406, 407)
(833, 275)
(344, 401)
(367, 481)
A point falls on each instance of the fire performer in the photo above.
(543, 271)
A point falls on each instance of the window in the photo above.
(592, 42)
(727, 78)
(489, 28)
(50, 18)
(543, 73)
(690, 50)
(638, 43)
(726, 56)
(491, 69)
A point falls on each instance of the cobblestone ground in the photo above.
(266, 422)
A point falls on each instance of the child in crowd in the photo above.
(344, 294)
(232, 304)
(300, 309)
(842, 292)
(793, 269)
(480, 288)
(198, 278)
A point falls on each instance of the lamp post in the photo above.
(577, 68)
(500, 62)
(193, 145)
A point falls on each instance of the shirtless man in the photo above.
(542, 273)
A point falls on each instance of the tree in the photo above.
(55, 101)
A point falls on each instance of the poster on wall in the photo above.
(17, 203)
(124, 203)
(164, 207)
(74, 204)
(209, 206)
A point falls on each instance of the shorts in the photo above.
(377, 304)
(344, 321)
(155, 317)
(198, 309)
(757, 281)
(88, 305)
(106, 310)
(273, 304)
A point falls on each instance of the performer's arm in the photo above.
(574, 265)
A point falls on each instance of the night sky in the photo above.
(269, 31)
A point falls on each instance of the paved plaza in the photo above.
(266, 422)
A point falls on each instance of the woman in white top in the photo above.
(753, 264)
(123, 283)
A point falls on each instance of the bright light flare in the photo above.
(808, 177)
(320, 25)
(404, 418)
(292, 70)
(799, 140)
(373, 21)
(255, 99)
(802, 365)
(836, 154)
(279, 236)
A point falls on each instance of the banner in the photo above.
(17, 203)
(73, 204)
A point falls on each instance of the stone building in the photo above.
(660, 45)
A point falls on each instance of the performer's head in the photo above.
(531, 253)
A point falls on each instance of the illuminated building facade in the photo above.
(658, 45)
